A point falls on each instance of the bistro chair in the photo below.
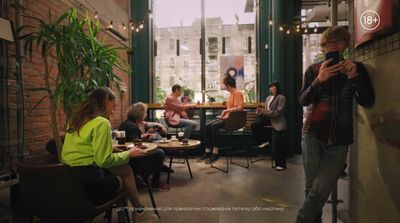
(55, 194)
(236, 120)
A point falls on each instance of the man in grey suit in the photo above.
(272, 115)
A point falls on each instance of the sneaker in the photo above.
(144, 217)
(205, 156)
(263, 145)
(159, 186)
(213, 157)
(279, 168)
(166, 169)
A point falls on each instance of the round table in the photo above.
(150, 147)
(176, 145)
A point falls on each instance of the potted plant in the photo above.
(83, 62)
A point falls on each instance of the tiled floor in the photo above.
(259, 194)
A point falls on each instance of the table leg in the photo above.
(170, 167)
(188, 165)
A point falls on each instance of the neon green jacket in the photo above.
(93, 146)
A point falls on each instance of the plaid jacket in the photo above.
(329, 114)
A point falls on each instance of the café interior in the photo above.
(199, 111)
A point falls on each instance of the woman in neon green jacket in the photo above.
(88, 150)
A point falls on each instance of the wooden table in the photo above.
(176, 145)
(213, 105)
(150, 147)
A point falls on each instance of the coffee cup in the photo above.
(173, 138)
(180, 136)
(120, 135)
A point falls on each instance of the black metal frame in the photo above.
(185, 160)
(230, 160)
(153, 202)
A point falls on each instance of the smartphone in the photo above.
(334, 55)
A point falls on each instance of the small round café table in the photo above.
(180, 147)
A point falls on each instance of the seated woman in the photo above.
(88, 150)
(234, 103)
(136, 128)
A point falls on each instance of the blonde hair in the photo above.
(337, 33)
(137, 112)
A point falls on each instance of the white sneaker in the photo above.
(263, 145)
(279, 168)
(144, 217)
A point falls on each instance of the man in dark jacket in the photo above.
(328, 92)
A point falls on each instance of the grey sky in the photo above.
(170, 13)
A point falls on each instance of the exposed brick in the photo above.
(37, 121)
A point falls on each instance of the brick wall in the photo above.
(37, 122)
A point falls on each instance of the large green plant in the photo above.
(84, 63)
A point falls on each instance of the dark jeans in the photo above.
(260, 133)
(211, 133)
(323, 165)
(148, 165)
(99, 185)
(279, 150)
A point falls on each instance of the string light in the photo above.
(280, 28)
(315, 29)
(306, 30)
(139, 25)
(288, 31)
(270, 22)
(327, 19)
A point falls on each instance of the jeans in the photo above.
(149, 165)
(211, 132)
(322, 166)
(188, 125)
(260, 133)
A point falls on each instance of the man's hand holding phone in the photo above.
(330, 67)
(349, 68)
(326, 72)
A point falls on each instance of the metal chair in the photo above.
(55, 194)
(272, 145)
(235, 121)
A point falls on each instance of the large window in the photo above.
(229, 42)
